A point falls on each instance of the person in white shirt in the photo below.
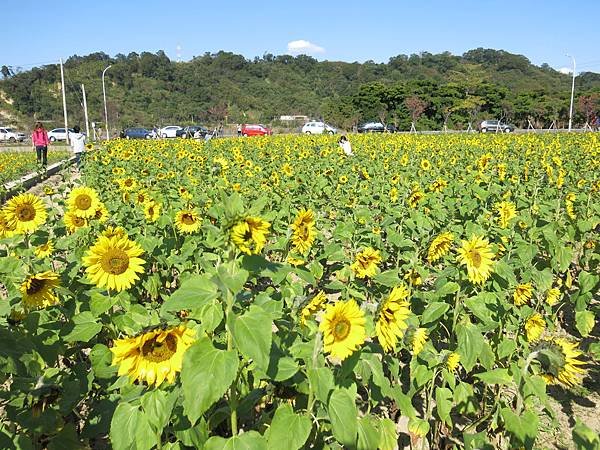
(77, 140)
(345, 144)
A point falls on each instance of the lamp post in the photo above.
(105, 109)
(572, 94)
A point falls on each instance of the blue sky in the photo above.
(543, 31)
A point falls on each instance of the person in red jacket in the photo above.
(39, 138)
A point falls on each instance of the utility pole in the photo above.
(64, 98)
(572, 94)
(85, 112)
(105, 108)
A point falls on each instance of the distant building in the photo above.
(298, 118)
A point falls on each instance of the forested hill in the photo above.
(149, 89)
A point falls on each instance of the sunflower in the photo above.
(74, 222)
(559, 361)
(438, 185)
(49, 190)
(83, 202)
(304, 233)
(114, 263)
(418, 340)
(250, 235)
(38, 290)
(477, 255)
(24, 213)
(154, 356)
(506, 212)
(343, 329)
(316, 304)
(366, 263)
(6, 229)
(392, 318)
(413, 278)
(187, 221)
(534, 327)
(343, 179)
(152, 211)
(415, 197)
(522, 294)
(111, 231)
(425, 164)
(101, 214)
(452, 361)
(439, 247)
(552, 296)
(44, 250)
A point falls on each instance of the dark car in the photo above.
(495, 126)
(190, 131)
(376, 127)
(136, 133)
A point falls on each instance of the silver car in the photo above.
(495, 126)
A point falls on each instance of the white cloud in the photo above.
(303, 47)
(566, 70)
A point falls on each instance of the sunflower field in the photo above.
(15, 164)
(274, 293)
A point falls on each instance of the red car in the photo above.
(256, 130)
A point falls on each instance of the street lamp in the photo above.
(572, 93)
(105, 109)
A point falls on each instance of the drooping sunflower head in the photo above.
(6, 229)
(452, 361)
(24, 213)
(111, 231)
(393, 313)
(303, 231)
(415, 197)
(83, 202)
(439, 247)
(101, 214)
(366, 263)
(418, 340)
(559, 361)
(73, 222)
(250, 235)
(38, 290)
(153, 357)
(534, 327)
(523, 293)
(152, 211)
(552, 296)
(343, 329)
(114, 263)
(44, 250)
(413, 277)
(506, 212)
(316, 304)
(477, 255)
(187, 221)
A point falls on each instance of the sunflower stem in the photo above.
(520, 399)
(311, 391)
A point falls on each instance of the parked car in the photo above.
(169, 131)
(11, 135)
(318, 128)
(376, 127)
(256, 130)
(493, 126)
(58, 134)
(137, 133)
(190, 131)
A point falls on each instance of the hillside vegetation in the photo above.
(430, 89)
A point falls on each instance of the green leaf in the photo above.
(434, 311)
(206, 375)
(250, 440)
(130, 428)
(449, 288)
(524, 428)
(562, 257)
(210, 315)
(389, 278)
(321, 381)
(99, 303)
(101, 359)
(495, 376)
(368, 437)
(288, 430)
(252, 334)
(470, 343)
(231, 277)
(443, 400)
(86, 327)
(343, 416)
(584, 437)
(480, 306)
(584, 321)
(157, 405)
(388, 437)
(192, 294)
(587, 281)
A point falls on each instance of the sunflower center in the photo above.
(83, 201)
(25, 213)
(157, 352)
(188, 219)
(35, 286)
(341, 329)
(475, 258)
(78, 221)
(115, 261)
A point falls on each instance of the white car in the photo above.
(10, 135)
(169, 131)
(318, 128)
(58, 134)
